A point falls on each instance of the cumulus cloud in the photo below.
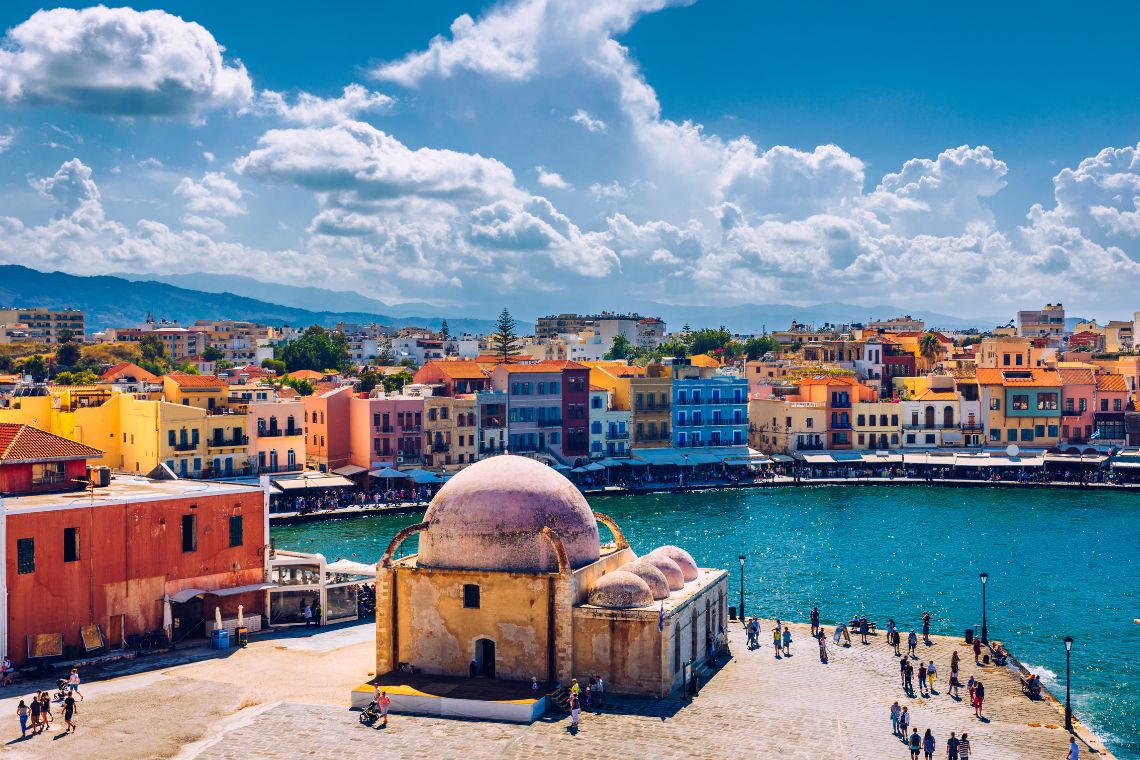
(214, 195)
(610, 191)
(310, 110)
(551, 179)
(118, 61)
(7, 137)
(582, 116)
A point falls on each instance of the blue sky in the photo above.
(557, 154)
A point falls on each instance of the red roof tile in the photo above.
(24, 442)
(1111, 383)
(187, 380)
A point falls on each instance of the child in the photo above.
(787, 640)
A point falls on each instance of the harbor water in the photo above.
(1059, 563)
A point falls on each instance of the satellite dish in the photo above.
(1012, 450)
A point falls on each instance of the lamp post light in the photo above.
(985, 633)
(1068, 704)
(741, 586)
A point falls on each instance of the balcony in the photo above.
(384, 429)
(617, 435)
(411, 428)
(841, 404)
(841, 426)
(548, 423)
(409, 457)
(1072, 412)
(183, 446)
(440, 448)
(654, 407)
(653, 438)
(486, 449)
(278, 432)
(228, 443)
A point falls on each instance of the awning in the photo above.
(561, 467)
(782, 458)
(608, 462)
(742, 455)
(422, 477)
(1127, 465)
(1076, 458)
(882, 457)
(187, 594)
(967, 460)
(348, 567)
(349, 470)
(593, 467)
(704, 457)
(661, 457)
(387, 473)
(322, 481)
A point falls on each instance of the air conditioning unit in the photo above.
(399, 460)
(99, 477)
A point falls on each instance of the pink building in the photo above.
(386, 432)
(277, 435)
(1092, 400)
(326, 429)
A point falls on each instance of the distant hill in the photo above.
(117, 302)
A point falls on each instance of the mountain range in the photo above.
(127, 299)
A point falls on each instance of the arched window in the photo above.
(948, 416)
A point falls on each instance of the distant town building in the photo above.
(40, 325)
(905, 323)
(1048, 323)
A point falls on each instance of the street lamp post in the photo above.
(741, 586)
(1068, 704)
(985, 633)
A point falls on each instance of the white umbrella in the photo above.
(217, 618)
(167, 617)
(241, 616)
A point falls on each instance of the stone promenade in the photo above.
(756, 705)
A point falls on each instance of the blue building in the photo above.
(709, 409)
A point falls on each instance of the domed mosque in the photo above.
(512, 582)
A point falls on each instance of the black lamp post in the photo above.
(741, 586)
(1068, 704)
(985, 633)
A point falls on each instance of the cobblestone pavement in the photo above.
(795, 707)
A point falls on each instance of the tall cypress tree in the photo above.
(505, 339)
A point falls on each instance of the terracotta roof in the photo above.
(187, 380)
(460, 370)
(544, 366)
(24, 442)
(307, 374)
(1077, 376)
(929, 394)
(829, 380)
(1026, 377)
(127, 369)
(1111, 383)
(597, 388)
(287, 392)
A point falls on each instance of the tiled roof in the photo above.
(1077, 376)
(1111, 383)
(543, 366)
(1025, 377)
(306, 374)
(187, 380)
(460, 370)
(929, 394)
(24, 442)
(127, 369)
(829, 380)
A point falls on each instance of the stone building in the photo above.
(511, 581)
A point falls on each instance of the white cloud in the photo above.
(551, 179)
(214, 195)
(7, 137)
(208, 156)
(611, 191)
(118, 61)
(311, 110)
(581, 116)
(151, 163)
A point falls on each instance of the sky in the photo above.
(576, 155)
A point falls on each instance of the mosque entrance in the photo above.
(485, 658)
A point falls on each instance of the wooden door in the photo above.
(115, 632)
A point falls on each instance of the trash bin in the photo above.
(241, 636)
(969, 635)
(732, 612)
(220, 639)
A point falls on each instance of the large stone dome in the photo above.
(490, 517)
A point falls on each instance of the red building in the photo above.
(121, 556)
(453, 377)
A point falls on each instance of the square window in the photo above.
(25, 555)
(1026, 434)
(71, 544)
(471, 596)
(995, 435)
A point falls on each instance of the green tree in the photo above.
(304, 387)
(505, 339)
(65, 336)
(444, 330)
(675, 348)
(754, 348)
(706, 341)
(317, 349)
(621, 348)
(34, 366)
(151, 349)
(396, 381)
(82, 377)
(212, 353)
(385, 358)
(275, 365)
(929, 347)
(223, 364)
(67, 355)
(369, 380)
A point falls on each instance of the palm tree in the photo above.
(929, 348)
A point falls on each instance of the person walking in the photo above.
(575, 711)
(911, 643)
(915, 744)
(904, 723)
(601, 691)
(45, 709)
(922, 679)
(931, 672)
(776, 641)
(1074, 749)
(787, 641)
(902, 673)
(814, 617)
(73, 683)
(35, 709)
(822, 646)
(954, 683)
(928, 745)
(926, 628)
(964, 747)
(864, 628)
(384, 702)
(977, 651)
(895, 712)
(952, 747)
(22, 713)
(909, 677)
(69, 712)
(979, 697)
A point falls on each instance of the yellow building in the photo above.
(1021, 406)
(511, 582)
(450, 432)
(777, 426)
(646, 392)
(877, 425)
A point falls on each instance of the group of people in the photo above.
(956, 748)
(580, 697)
(35, 713)
(325, 500)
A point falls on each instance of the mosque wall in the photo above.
(437, 634)
(622, 646)
(585, 577)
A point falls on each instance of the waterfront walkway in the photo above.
(287, 698)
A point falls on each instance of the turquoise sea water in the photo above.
(1060, 563)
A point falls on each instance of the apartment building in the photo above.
(709, 408)
(1022, 406)
(547, 408)
(491, 416)
(326, 420)
(1047, 323)
(277, 437)
(781, 426)
(386, 431)
(450, 430)
(452, 378)
(40, 325)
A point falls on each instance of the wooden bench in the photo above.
(853, 626)
(1031, 689)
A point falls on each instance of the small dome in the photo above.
(653, 577)
(620, 589)
(683, 559)
(673, 575)
(490, 516)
